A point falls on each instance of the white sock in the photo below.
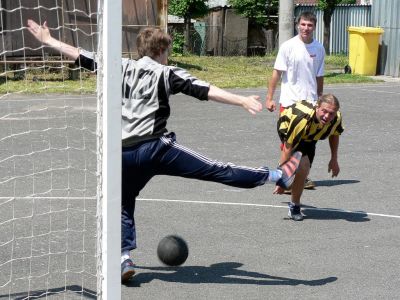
(274, 175)
(125, 255)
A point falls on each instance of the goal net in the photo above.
(56, 158)
(48, 155)
(53, 147)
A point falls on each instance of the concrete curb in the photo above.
(386, 78)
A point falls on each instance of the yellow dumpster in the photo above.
(363, 49)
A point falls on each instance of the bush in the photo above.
(178, 41)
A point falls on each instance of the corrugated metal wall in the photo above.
(385, 14)
(343, 17)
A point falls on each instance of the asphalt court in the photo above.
(242, 246)
(47, 197)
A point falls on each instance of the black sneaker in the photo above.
(295, 212)
(289, 169)
(127, 270)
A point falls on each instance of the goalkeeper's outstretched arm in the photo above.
(42, 34)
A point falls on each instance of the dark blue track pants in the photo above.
(164, 156)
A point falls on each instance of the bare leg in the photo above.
(301, 175)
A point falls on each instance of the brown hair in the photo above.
(151, 40)
(330, 99)
(308, 16)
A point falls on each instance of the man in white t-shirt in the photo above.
(300, 66)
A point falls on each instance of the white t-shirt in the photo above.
(300, 63)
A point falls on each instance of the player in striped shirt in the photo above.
(299, 65)
(300, 127)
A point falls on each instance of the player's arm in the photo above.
(250, 103)
(320, 85)
(42, 34)
(273, 82)
(320, 72)
(333, 164)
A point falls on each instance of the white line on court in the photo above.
(47, 198)
(210, 202)
(267, 205)
(50, 98)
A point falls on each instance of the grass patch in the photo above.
(224, 72)
(38, 81)
(86, 85)
(336, 61)
(335, 77)
(248, 72)
(227, 72)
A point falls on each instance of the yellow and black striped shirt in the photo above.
(299, 123)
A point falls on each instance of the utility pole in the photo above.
(286, 20)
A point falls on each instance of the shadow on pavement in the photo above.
(334, 182)
(71, 291)
(311, 212)
(222, 273)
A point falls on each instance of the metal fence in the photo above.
(205, 38)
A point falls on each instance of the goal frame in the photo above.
(110, 41)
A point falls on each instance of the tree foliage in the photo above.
(328, 4)
(348, 2)
(257, 11)
(188, 8)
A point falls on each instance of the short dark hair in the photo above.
(308, 16)
(151, 40)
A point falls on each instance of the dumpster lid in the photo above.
(363, 29)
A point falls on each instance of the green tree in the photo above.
(257, 11)
(328, 6)
(187, 9)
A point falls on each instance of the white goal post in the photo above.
(109, 79)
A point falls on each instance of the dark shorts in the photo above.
(308, 149)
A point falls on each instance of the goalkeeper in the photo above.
(148, 148)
